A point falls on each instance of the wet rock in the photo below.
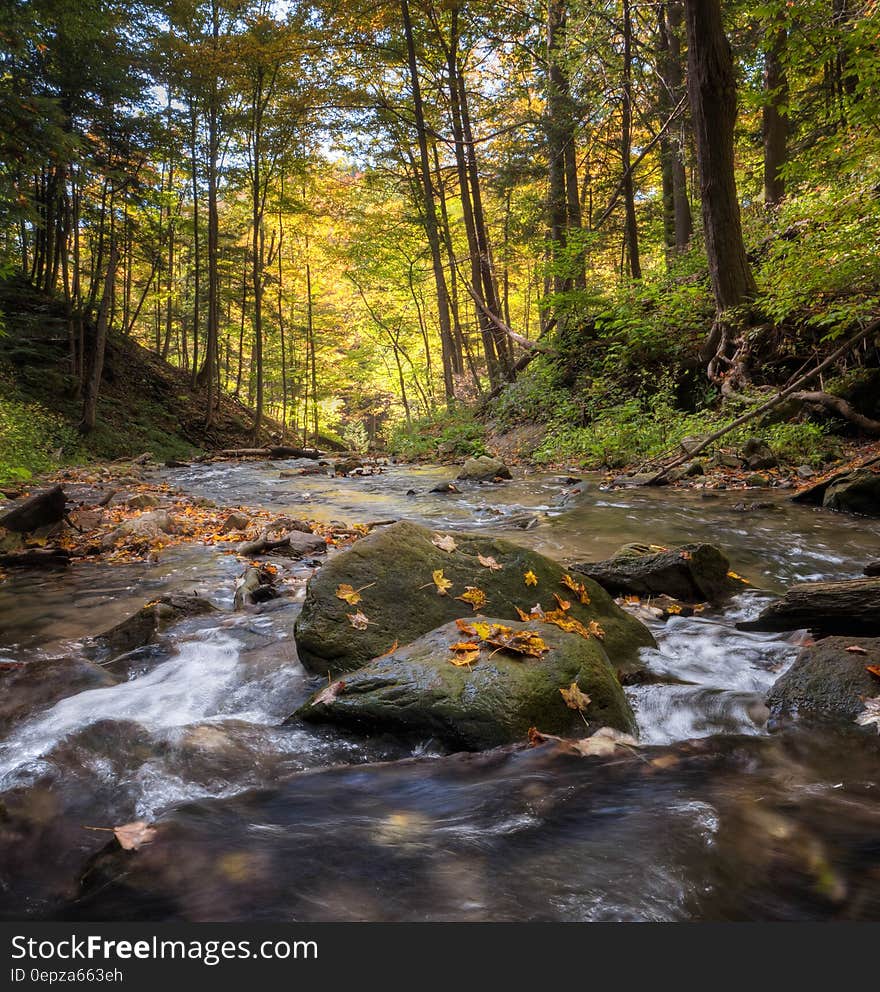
(805, 472)
(36, 685)
(640, 479)
(494, 701)
(828, 681)
(38, 511)
(143, 501)
(483, 469)
(753, 506)
(235, 522)
(143, 528)
(302, 545)
(872, 568)
(686, 471)
(347, 465)
(393, 567)
(693, 573)
(442, 487)
(293, 473)
(143, 627)
(815, 495)
(758, 455)
(758, 481)
(726, 460)
(88, 518)
(849, 606)
(858, 492)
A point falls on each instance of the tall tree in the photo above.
(713, 99)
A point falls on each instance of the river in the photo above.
(718, 818)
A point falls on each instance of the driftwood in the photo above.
(262, 544)
(278, 451)
(45, 508)
(36, 558)
(839, 406)
(851, 606)
(783, 394)
(295, 544)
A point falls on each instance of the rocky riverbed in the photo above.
(527, 699)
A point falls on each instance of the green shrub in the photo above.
(455, 432)
(29, 434)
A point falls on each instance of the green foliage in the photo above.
(29, 434)
(798, 443)
(452, 433)
(355, 437)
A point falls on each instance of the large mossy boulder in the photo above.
(393, 570)
(829, 680)
(495, 700)
(693, 573)
(483, 469)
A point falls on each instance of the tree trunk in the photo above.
(429, 207)
(631, 226)
(712, 91)
(92, 385)
(677, 221)
(775, 116)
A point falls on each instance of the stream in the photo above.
(275, 821)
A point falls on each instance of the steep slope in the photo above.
(145, 404)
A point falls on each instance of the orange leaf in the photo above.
(574, 698)
(465, 658)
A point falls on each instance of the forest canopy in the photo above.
(353, 216)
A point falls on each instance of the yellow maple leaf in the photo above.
(576, 587)
(441, 582)
(473, 596)
(349, 595)
(574, 698)
(530, 578)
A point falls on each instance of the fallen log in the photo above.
(850, 606)
(279, 451)
(39, 511)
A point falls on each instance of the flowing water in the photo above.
(266, 820)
